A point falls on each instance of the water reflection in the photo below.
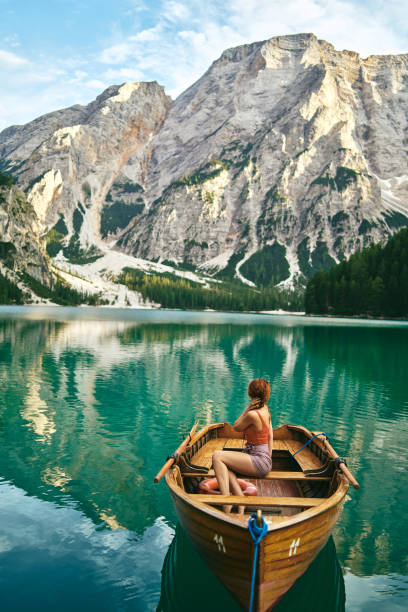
(53, 557)
(36, 411)
(186, 579)
(89, 410)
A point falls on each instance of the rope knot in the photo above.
(257, 533)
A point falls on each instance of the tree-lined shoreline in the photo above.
(371, 283)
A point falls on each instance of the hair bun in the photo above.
(259, 389)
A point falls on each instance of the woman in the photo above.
(256, 459)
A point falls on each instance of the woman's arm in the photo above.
(247, 418)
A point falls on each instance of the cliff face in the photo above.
(285, 156)
(66, 161)
(286, 144)
(21, 246)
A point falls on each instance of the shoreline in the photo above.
(357, 317)
(38, 311)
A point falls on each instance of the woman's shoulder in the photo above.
(266, 413)
(252, 416)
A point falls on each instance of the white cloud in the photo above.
(188, 36)
(148, 35)
(122, 74)
(175, 41)
(137, 6)
(117, 54)
(38, 88)
(80, 74)
(12, 60)
(176, 11)
(132, 46)
(371, 28)
(12, 40)
(96, 84)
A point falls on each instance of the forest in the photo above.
(372, 282)
(6, 180)
(61, 293)
(173, 292)
(10, 293)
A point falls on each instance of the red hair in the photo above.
(259, 390)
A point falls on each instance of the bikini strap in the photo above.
(262, 421)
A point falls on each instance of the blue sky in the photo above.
(55, 53)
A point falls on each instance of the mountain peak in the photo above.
(285, 156)
(122, 93)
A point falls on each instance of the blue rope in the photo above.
(309, 441)
(257, 533)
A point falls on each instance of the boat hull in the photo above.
(301, 500)
(184, 577)
(285, 553)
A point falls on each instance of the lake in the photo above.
(93, 400)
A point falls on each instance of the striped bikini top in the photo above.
(257, 437)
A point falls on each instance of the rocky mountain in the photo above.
(21, 245)
(286, 156)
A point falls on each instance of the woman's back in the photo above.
(259, 433)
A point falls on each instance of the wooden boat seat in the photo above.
(273, 475)
(306, 459)
(299, 502)
(233, 442)
(204, 455)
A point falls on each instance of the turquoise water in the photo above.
(91, 402)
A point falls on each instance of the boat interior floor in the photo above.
(287, 481)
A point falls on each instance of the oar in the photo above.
(340, 463)
(175, 455)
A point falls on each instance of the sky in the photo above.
(56, 53)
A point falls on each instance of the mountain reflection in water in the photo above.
(92, 401)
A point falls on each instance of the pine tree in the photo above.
(374, 281)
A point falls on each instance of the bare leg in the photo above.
(221, 472)
(241, 463)
(235, 488)
(224, 462)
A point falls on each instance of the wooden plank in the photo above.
(278, 475)
(269, 518)
(274, 475)
(234, 443)
(227, 431)
(242, 500)
(203, 431)
(204, 455)
(306, 459)
(279, 445)
(278, 488)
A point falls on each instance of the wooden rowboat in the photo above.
(184, 576)
(301, 500)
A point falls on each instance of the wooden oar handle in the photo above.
(164, 469)
(348, 474)
(175, 455)
(340, 463)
